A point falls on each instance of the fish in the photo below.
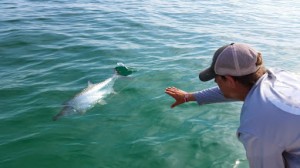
(93, 94)
(88, 98)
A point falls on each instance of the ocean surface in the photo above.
(49, 50)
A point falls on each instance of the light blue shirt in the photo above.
(270, 120)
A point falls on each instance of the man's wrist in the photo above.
(189, 97)
(186, 97)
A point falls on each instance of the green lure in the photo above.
(122, 70)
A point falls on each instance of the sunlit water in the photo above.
(49, 51)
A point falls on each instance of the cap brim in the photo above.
(207, 74)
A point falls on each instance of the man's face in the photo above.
(225, 86)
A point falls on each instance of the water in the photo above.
(49, 51)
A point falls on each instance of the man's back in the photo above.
(270, 121)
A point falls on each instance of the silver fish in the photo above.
(87, 98)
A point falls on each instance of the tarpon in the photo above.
(87, 98)
(93, 94)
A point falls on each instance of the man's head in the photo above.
(235, 59)
(236, 68)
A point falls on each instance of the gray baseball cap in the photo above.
(235, 59)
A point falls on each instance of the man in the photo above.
(270, 117)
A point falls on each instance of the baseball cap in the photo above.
(235, 59)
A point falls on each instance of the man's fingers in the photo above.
(176, 94)
(171, 92)
(171, 89)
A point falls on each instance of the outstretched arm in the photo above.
(211, 95)
(207, 96)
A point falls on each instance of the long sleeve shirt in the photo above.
(270, 120)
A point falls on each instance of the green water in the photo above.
(49, 50)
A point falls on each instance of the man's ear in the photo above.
(230, 81)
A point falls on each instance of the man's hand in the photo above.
(177, 94)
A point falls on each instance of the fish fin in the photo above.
(82, 112)
(102, 102)
(90, 84)
(113, 92)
